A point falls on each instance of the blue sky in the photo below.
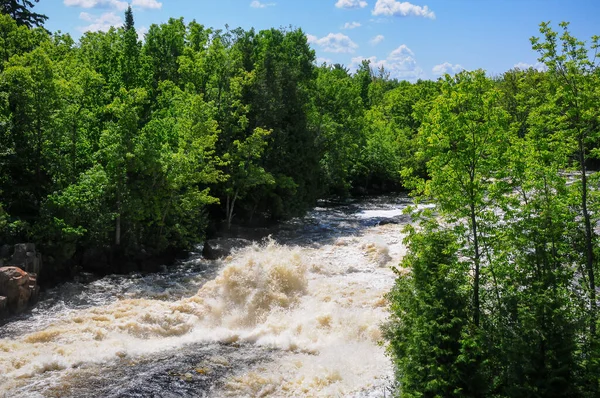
(416, 39)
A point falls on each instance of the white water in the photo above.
(311, 310)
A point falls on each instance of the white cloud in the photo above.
(377, 39)
(99, 23)
(113, 4)
(351, 25)
(351, 4)
(141, 32)
(116, 4)
(153, 4)
(395, 8)
(320, 61)
(400, 64)
(334, 43)
(258, 4)
(447, 67)
(537, 66)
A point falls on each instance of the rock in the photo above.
(19, 289)
(222, 247)
(4, 251)
(26, 258)
(3, 307)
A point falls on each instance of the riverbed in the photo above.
(296, 313)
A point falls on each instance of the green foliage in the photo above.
(429, 317)
(518, 241)
(117, 146)
(20, 11)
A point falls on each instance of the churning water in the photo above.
(296, 314)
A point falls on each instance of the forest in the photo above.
(118, 145)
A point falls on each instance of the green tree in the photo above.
(130, 55)
(337, 117)
(570, 116)
(575, 104)
(463, 138)
(244, 170)
(29, 85)
(174, 156)
(430, 317)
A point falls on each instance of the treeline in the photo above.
(114, 146)
(498, 296)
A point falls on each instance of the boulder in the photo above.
(26, 258)
(3, 307)
(4, 252)
(19, 289)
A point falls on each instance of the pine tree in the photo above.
(20, 11)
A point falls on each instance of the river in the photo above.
(296, 314)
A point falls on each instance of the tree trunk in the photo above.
(589, 248)
(230, 207)
(476, 260)
(118, 231)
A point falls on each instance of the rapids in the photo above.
(295, 314)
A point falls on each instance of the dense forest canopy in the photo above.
(117, 145)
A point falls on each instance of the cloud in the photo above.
(537, 66)
(320, 61)
(141, 33)
(258, 4)
(334, 43)
(377, 39)
(393, 8)
(400, 64)
(99, 23)
(351, 25)
(351, 4)
(114, 4)
(152, 4)
(447, 67)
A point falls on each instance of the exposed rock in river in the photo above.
(18, 290)
(18, 280)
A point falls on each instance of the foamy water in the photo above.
(278, 319)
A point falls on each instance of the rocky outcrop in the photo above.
(18, 279)
(18, 290)
(26, 258)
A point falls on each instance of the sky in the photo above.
(420, 39)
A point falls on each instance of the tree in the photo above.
(430, 317)
(130, 55)
(30, 88)
(175, 156)
(244, 170)
(463, 138)
(20, 11)
(571, 117)
(337, 117)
